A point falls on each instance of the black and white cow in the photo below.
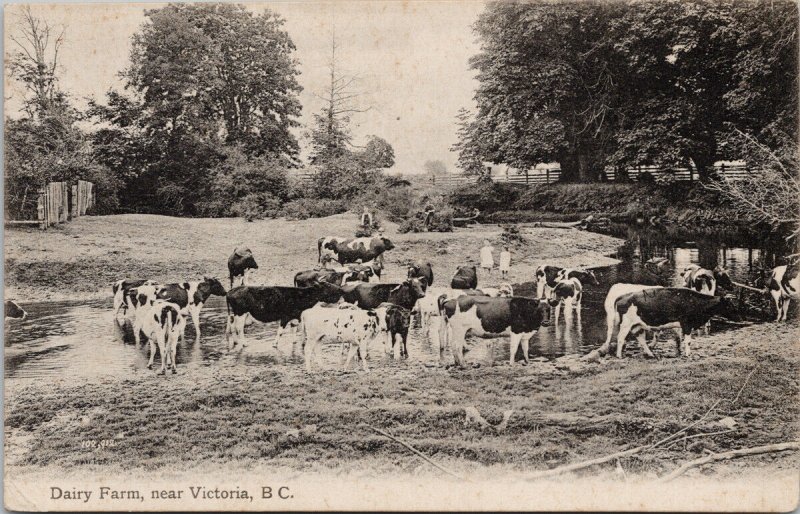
(395, 320)
(308, 277)
(503, 289)
(361, 248)
(612, 317)
(120, 290)
(370, 296)
(784, 286)
(668, 307)
(239, 263)
(567, 293)
(273, 303)
(706, 281)
(190, 297)
(484, 315)
(421, 270)
(141, 299)
(546, 280)
(584, 275)
(465, 277)
(14, 311)
(163, 324)
(326, 254)
(353, 327)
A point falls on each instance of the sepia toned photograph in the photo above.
(402, 255)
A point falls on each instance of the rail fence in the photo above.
(58, 202)
(548, 176)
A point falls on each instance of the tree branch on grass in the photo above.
(769, 448)
(416, 452)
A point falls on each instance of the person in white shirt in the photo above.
(505, 263)
(487, 261)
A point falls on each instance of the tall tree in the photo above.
(330, 135)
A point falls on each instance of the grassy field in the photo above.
(236, 421)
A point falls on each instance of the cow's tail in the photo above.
(443, 324)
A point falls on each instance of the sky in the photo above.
(411, 58)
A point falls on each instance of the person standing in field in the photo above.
(487, 261)
(505, 263)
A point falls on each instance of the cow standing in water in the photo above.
(483, 315)
(121, 289)
(784, 286)
(190, 297)
(546, 280)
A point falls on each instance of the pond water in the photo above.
(81, 339)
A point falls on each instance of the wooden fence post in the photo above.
(40, 210)
(526, 176)
(547, 176)
(75, 212)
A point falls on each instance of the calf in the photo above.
(325, 252)
(239, 263)
(567, 293)
(141, 299)
(163, 324)
(190, 297)
(396, 321)
(546, 280)
(355, 327)
(466, 277)
(484, 315)
(784, 285)
(120, 290)
(612, 317)
(14, 311)
(273, 303)
(369, 296)
(668, 307)
(421, 270)
(428, 306)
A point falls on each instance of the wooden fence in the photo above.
(548, 176)
(58, 203)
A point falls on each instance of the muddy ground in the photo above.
(235, 420)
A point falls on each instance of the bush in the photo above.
(485, 196)
(257, 206)
(342, 178)
(442, 220)
(511, 235)
(411, 225)
(305, 208)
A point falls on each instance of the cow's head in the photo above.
(417, 286)
(330, 245)
(387, 245)
(329, 293)
(505, 289)
(723, 278)
(562, 290)
(590, 277)
(214, 286)
(413, 270)
(727, 307)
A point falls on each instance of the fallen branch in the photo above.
(416, 452)
(474, 416)
(745, 286)
(770, 448)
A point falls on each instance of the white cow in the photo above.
(121, 289)
(567, 293)
(141, 300)
(355, 327)
(163, 324)
(784, 286)
(612, 316)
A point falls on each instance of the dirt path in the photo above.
(86, 256)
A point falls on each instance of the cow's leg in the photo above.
(404, 335)
(308, 352)
(162, 352)
(612, 323)
(279, 333)
(526, 339)
(777, 297)
(786, 302)
(152, 353)
(513, 345)
(174, 350)
(228, 331)
(362, 356)
(457, 338)
(642, 338)
(350, 354)
(138, 323)
(624, 328)
(238, 327)
(194, 311)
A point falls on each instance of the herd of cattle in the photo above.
(342, 300)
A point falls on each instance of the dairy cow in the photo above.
(120, 290)
(308, 277)
(190, 297)
(706, 281)
(361, 248)
(567, 293)
(668, 307)
(395, 320)
(273, 303)
(585, 276)
(465, 277)
(483, 315)
(370, 296)
(421, 270)
(784, 286)
(546, 280)
(163, 324)
(326, 253)
(612, 317)
(353, 327)
(239, 263)
(141, 299)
